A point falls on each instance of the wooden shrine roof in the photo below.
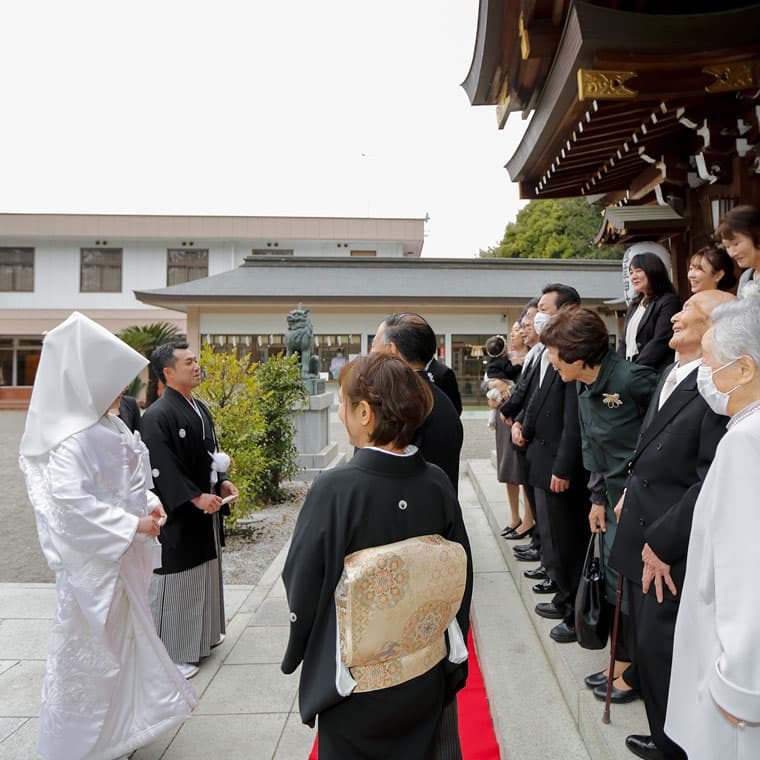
(630, 102)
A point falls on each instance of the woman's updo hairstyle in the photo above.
(399, 397)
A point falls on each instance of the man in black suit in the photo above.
(677, 443)
(443, 376)
(129, 413)
(551, 430)
(441, 435)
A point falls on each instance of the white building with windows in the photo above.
(230, 281)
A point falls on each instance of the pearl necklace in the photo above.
(748, 411)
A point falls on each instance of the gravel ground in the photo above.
(248, 553)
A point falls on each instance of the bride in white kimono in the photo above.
(109, 685)
(714, 698)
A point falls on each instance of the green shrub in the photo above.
(231, 391)
(252, 405)
(282, 388)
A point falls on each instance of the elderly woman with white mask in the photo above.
(714, 699)
(109, 685)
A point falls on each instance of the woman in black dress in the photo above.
(387, 493)
(647, 329)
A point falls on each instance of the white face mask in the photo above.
(540, 321)
(717, 400)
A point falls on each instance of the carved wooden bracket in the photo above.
(730, 77)
(524, 38)
(604, 84)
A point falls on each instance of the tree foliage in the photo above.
(554, 229)
(144, 339)
(253, 409)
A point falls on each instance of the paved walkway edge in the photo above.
(568, 662)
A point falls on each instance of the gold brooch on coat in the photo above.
(612, 400)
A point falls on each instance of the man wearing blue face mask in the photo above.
(679, 435)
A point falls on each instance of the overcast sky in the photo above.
(257, 107)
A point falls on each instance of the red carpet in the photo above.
(475, 727)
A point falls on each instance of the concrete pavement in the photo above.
(248, 708)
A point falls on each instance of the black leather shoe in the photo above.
(596, 679)
(508, 531)
(563, 633)
(618, 696)
(522, 548)
(517, 536)
(537, 574)
(643, 746)
(549, 611)
(529, 555)
(547, 586)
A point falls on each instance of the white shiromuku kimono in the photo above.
(109, 684)
(715, 657)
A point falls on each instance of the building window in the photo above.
(186, 264)
(272, 252)
(364, 254)
(19, 358)
(100, 270)
(17, 270)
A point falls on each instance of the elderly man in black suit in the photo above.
(677, 443)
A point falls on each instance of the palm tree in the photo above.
(146, 338)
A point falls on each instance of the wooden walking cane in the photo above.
(613, 646)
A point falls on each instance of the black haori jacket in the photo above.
(181, 465)
(375, 499)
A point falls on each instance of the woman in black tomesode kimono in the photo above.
(386, 494)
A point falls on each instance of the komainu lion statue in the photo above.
(299, 338)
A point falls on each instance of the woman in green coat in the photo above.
(613, 396)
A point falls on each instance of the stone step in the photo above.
(569, 662)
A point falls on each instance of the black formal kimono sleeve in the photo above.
(311, 573)
(172, 482)
(304, 576)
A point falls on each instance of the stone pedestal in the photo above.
(312, 439)
(314, 386)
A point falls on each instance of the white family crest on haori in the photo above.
(109, 686)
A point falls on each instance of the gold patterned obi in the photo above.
(394, 604)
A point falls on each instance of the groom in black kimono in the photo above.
(186, 593)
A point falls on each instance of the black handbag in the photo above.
(591, 610)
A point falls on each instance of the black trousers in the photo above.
(564, 539)
(535, 539)
(655, 626)
(544, 546)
